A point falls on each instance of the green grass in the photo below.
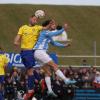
(84, 27)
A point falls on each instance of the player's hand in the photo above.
(69, 40)
(67, 44)
(65, 26)
(16, 48)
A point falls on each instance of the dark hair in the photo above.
(32, 15)
(59, 27)
(47, 22)
(1, 49)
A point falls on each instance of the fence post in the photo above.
(95, 52)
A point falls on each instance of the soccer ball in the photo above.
(39, 13)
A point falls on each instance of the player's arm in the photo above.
(58, 44)
(58, 32)
(44, 27)
(17, 40)
(5, 63)
(5, 67)
(51, 34)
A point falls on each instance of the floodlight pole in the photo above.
(95, 52)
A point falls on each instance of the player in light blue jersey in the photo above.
(46, 37)
(43, 58)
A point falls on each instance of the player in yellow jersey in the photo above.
(3, 65)
(27, 37)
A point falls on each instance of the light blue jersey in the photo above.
(46, 37)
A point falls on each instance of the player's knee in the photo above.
(53, 65)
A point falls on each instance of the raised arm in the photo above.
(58, 44)
(55, 43)
(58, 32)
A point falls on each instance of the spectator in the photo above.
(84, 77)
(84, 62)
(15, 77)
(58, 87)
(22, 89)
(97, 80)
(9, 89)
(86, 80)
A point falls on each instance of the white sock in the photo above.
(48, 83)
(60, 74)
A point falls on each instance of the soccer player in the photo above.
(3, 65)
(42, 56)
(27, 36)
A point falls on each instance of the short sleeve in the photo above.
(20, 32)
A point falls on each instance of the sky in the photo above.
(57, 2)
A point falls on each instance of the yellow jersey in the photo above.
(3, 62)
(29, 35)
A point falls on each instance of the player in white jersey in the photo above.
(42, 56)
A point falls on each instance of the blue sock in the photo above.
(1, 95)
(31, 82)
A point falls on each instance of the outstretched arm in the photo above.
(51, 34)
(58, 32)
(58, 44)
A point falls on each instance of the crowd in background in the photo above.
(15, 85)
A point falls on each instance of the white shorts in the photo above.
(42, 57)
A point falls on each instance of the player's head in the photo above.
(50, 24)
(33, 20)
(53, 25)
(59, 27)
(47, 23)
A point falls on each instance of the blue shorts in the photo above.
(1, 79)
(28, 59)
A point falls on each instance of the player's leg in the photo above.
(39, 56)
(46, 69)
(59, 73)
(46, 59)
(1, 87)
(47, 77)
(29, 61)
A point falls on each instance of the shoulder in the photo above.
(44, 32)
(2, 56)
(38, 26)
(23, 26)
